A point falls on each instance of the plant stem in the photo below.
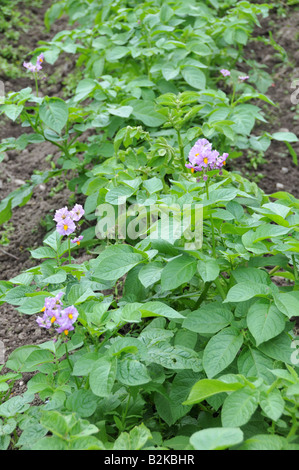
(69, 249)
(202, 295)
(233, 95)
(36, 84)
(295, 269)
(212, 224)
(70, 364)
(181, 147)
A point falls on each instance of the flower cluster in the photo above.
(55, 315)
(35, 68)
(203, 158)
(226, 73)
(65, 221)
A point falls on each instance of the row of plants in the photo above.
(173, 334)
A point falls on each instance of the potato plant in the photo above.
(174, 334)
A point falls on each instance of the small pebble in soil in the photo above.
(279, 186)
(19, 182)
(284, 170)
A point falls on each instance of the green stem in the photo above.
(212, 225)
(36, 84)
(273, 271)
(69, 249)
(220, 288)
(203, 295)
(295, 268)
(181, 147)
(233, 95)
(70, 364)
(293, 428)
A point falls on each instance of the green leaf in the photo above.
(15, 405)
(208, 269)
(216, 438)
(153, 185)
(5, 211)
(145, 112)
(285, 137)
(156, 308)
(83, 402)
(102, 376)
(177, 272)
(135, 440)
(150, 274)
(84, 88)
(272, 404)
(264, 321)
(114, 262)
(36, 358)
(238, 407)
(253, 363)
(207, 388)
(278, 348)
(246, 290)
(43, 252)
(194, 77)
(33, 304)
(221, 350)
(12, 111)
(210, 318)
(263, 442)
(54, 113)
(19, 356)
(287, 303)
(132, 372)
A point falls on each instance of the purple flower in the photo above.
(70, 314)
(245, 77)
(67, 319)
(54, 316)
(40, 58)
(66, 226)
(203, 158)
(62, 214)
(77, 212)
(44, 322)
(34, 68)
(77, 240)
(225, 72)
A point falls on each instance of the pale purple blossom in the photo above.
(66, 226)
(243, 77)
(55, 316)
(225, 72)
(77, 212)
(77, 240)
(62, 214)
(203, 158)
(37, 67)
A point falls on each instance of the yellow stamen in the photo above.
(65, 227)
(53, 319)
(78, 243)
(70, 316)
(43, 309)
(192, 170)
(205, 160)
(224, 162)
(66, 332)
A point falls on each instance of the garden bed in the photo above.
(274, 171)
